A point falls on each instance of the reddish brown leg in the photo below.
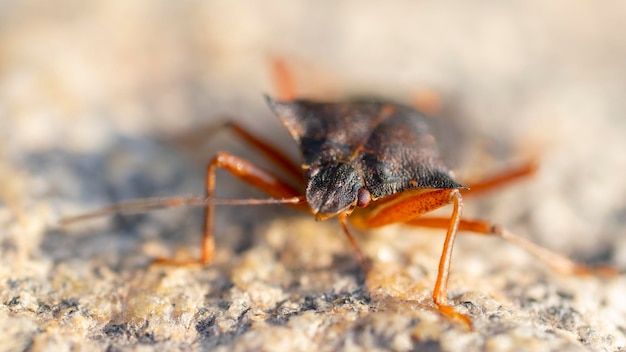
(343, 220)
(522, 171)
(483, 227)
(271, 153)
(247, 172)
(286, 90)
(404, 209)
(283, 80)
(199, 136)
(427, 101)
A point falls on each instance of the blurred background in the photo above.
(92, 79)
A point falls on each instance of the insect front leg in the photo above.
(246, 171)
(402, 210)
(343, 220)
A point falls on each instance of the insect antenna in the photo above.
(149, 204)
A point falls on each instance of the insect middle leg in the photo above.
(270, 152)
(501, 179)
(246, 171)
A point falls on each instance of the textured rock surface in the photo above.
(97, 104)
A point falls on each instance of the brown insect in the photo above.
(371, 162)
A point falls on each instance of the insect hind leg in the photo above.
(556, 261)
(283, 80)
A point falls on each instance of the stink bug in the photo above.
(369, 163)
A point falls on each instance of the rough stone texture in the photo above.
(97, 104)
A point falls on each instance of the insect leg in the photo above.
(272, 153)
(200, 135)
(522, 171)
(283, 80)
(247, 172)
(427, 101)
(343, 220)
(403, 210)
(483, 227)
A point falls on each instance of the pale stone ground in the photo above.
(92, 94)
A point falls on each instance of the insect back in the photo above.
(354, 149)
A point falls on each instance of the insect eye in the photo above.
(363, 198)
